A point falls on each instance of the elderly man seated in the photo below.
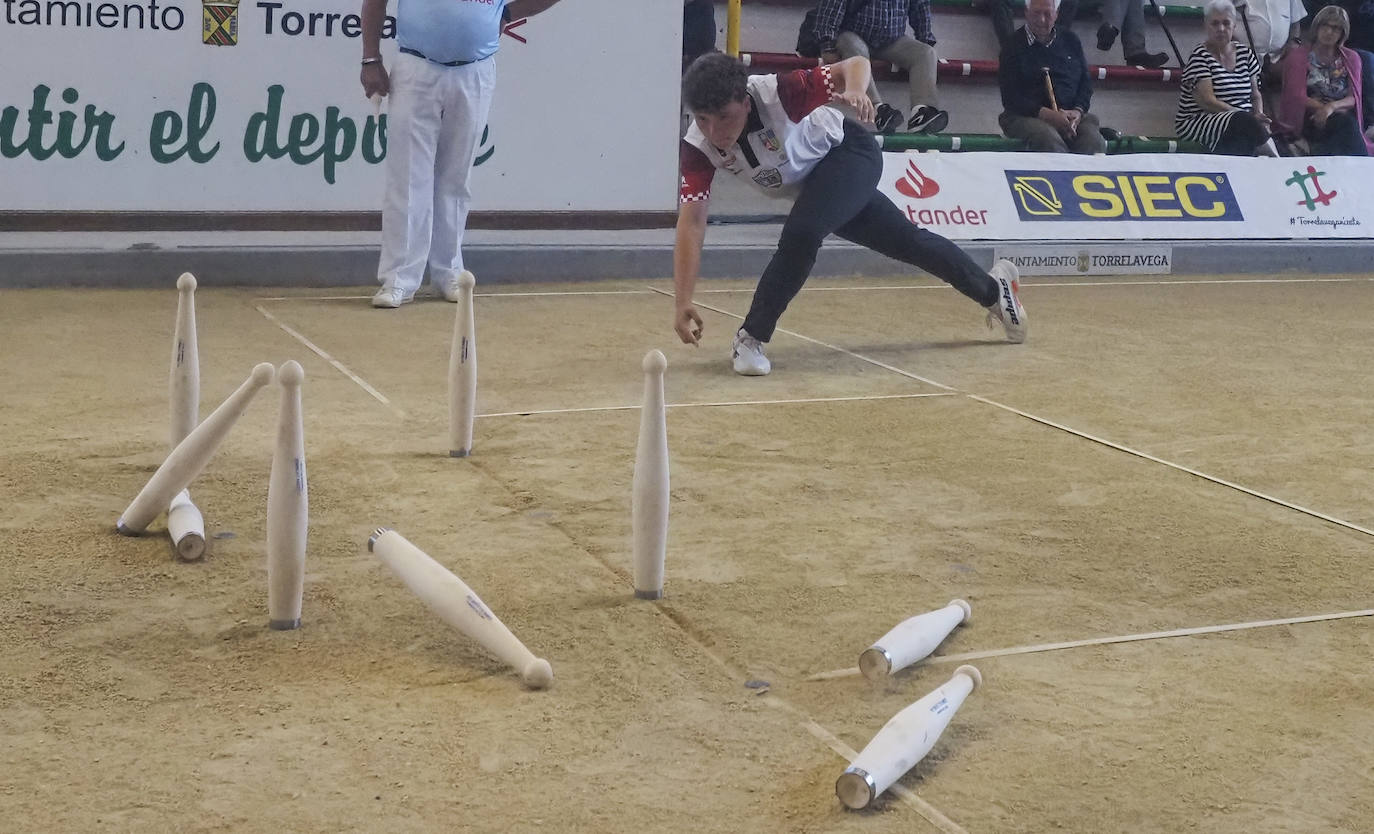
(1045, 86)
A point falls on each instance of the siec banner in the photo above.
(256, 105)
(1048, 197)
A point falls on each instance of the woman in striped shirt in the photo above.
(1219, 104)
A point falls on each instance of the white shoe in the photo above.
(748, 355)
(389, 298)
(1007, 309)
(449, 291)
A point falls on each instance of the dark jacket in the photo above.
(1021, 76)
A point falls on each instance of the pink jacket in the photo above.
(1293, 99)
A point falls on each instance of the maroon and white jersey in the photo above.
(789, 130)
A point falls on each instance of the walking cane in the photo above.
(1159, 13)
(1244, 11)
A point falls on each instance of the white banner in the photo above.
(256, 105)
(1052, 197)
(1089, 259)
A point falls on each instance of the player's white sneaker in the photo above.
(389, 298)
(748, 355)
(1007, 309)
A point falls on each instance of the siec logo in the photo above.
(1135, 195)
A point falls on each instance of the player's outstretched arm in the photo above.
(851, 77)
(691, 236)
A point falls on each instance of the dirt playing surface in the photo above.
(914, 459)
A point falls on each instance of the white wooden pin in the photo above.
(462, 371)
(904, 740)
(912, 639)
(649, 494)
(457, 604)
(190, 456)
(186, 526)
(288, 507)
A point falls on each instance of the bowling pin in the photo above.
(184, 385)
(457, 604)
(649, 497)
(462, 372)
(186, 526)
(190, 456)
(287, 507)
(911, 640)
(904, 740)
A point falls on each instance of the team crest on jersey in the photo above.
(768, 178)
(769, 139)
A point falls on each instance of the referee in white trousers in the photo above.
(440, 90)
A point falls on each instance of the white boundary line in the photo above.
(474, 295)
(1181, 468)
(338, 366)
(1044, 421)
(717, 404)
(1102, 641)
(867, 359)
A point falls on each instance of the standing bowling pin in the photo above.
(911, 640)
(287, 507)
(457, 604)
(190, 456)
(649, 500)
(184, 384)
(462, 372)
(904, 740)
(186, 526)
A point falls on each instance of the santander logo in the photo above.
(916, 185)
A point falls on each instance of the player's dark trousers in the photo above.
(841, 196)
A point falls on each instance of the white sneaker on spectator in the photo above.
(748, 355)
(927, 119)
(448, 290)
(1007, 309)
(389, 298)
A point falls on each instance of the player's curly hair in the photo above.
(713, 81)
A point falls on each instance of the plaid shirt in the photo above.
(878, 22)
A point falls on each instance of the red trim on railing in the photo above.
(783, 61)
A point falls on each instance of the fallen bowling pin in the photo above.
(190, 456)
(288, 506)
(457, 604)
(186, 526)
(184, 381)
(462, 372)
(649, 497)
(904, 740)
(911, 640)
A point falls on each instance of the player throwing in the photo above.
(778, 133)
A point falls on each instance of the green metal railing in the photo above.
(993, 142)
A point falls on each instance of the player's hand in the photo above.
(687, 322)
(862, 104)
(375, 80)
